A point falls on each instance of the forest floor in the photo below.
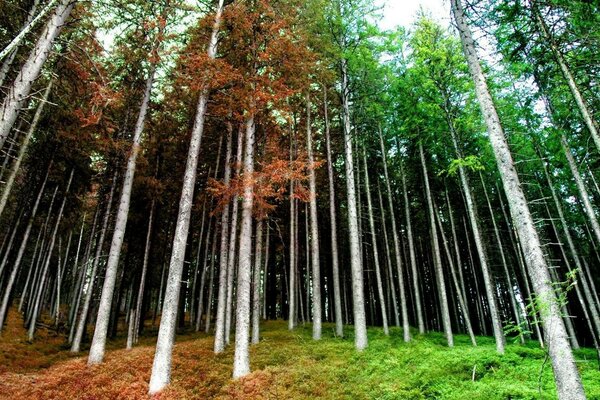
(287, 365)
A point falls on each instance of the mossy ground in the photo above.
(288, 365)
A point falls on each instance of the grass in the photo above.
(289, 365)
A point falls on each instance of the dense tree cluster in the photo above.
(208, 167)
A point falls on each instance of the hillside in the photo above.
(290, 365)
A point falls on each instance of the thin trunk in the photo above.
(81, 324)
(388, 257)
(241, 360)
(457, 288)
(375, 250)
(98, 346)
(314, 231)
(396, 239)
(23, 149)
(337, 301)
(24, 241)
(256, 284)
(437, 259)
(219, 344)
(477, 236)
(19, 91)
(37, 301)
(360, 323)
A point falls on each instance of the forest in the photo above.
(281, 199)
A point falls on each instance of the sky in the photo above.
(403, 12)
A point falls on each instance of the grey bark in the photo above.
(314, 230)
(241, 358)
(37, 301)
(219, 344)
(437, 260)
(21, 252)
(256, 283)
(335, 269)
(161, 367)
(81, 324)
(23, 149)
(104, 308)
(477, 236)
(360, 323)
(21, 87)
(396, 240)
(568, 380)
(375, 250)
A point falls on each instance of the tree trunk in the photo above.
(99, 340)
(568, 381)
(241, 360)
(21, 87)
(337, 300)
(483, 259)
(23, 149)
(437, 260)
(256, 284)
(219, 344)
(37, 301)
(81, 325)
(24, 241)
(360, 323)
(314, 231)
(161, 368)
(375, 250)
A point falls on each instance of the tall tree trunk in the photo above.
(337, 300)
(396, 239)
(23, 149)
(568, 381)
(5, 68)
(161, 368)
(457, 288)
(241, 360)
(219, 344)
(233, 234)
(38, 300)
(314, 230)
(360, 323)
(483, 258)
(586, 113)
(437, 259)
(375, 250)
(81, 324)
(21, 87)
(256, 284)
(411, 250)
(104, 309)
(139, 320)
(24, 241)
(388, 257)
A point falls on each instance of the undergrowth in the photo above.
(288, 365)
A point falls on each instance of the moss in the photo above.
(290, 365)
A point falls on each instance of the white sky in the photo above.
(403, 12)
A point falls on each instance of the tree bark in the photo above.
(360, 323)
(241, 360)
(21, 87)
(568, 381)
(161, 368)
(23, 149)
(437, 260)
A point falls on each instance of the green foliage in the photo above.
(471, 162)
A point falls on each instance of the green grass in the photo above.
(290, 365)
